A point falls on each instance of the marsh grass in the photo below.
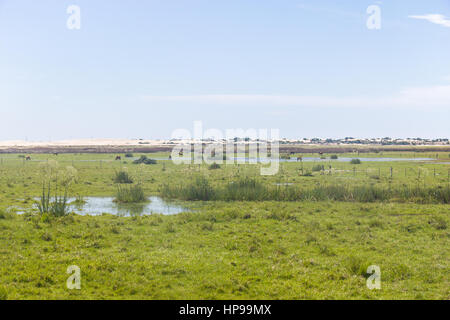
(198, 189)
(130, 194)
(251, 189)
(122, 177)
(3, 294)
(57, 207)
(214, 166)
(318, 167)
(357, 266)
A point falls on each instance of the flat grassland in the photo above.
(313, 248)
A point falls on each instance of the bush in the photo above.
(355, 161)
(128, 155)
(334, 157)
(144, 160)
(122, 177)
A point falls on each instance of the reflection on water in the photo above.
(99, 205)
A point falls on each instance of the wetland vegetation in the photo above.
(301, 234)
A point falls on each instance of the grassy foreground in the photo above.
(308, 249)
(266, 250)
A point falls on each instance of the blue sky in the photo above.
(142, 69)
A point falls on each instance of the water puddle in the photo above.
(99, 205)
(94, 206)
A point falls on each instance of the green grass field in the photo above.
(309, 249)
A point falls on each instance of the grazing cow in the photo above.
(118, 158)
(321, 153)
(56, 153)
(28, 158)
(299, 159)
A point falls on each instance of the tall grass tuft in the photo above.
(318, 167)
(130, 194)
(214, 166)
(58, 207)
(244, 189)
(198, 189)
(122, 177)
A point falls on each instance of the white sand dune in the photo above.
(81, 142)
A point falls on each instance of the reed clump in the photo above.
(251, 189)
(123, 177)
(130, 194)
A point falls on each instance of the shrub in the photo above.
(355, 161)
(334, 157)
(122, 177)
(144, 160)
(128, 155)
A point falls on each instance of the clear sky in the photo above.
(141, 69)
